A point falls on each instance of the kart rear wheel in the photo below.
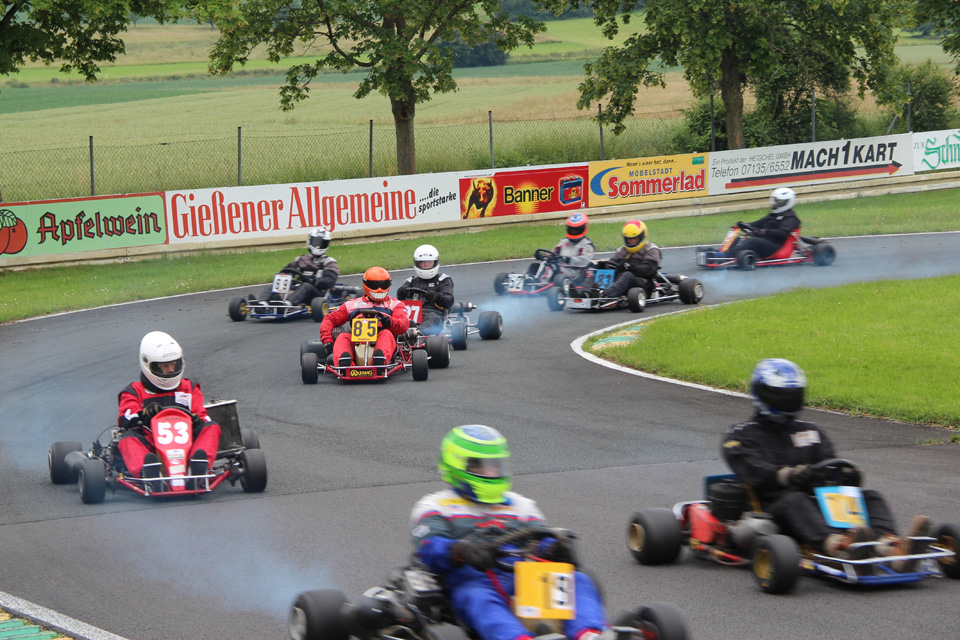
(253, 471)
(490, 325)
(438, 352)
(421, 365)
(824, 254)
(237, 309)
(948, 537)
(654, 536)
(458, 336)
(315, 615)
(636, 299)
(656, 621)
(776, 563)
(318, 309)
(500, 283)
(555, 299)
(249, 439)
(60, 472)
(309, 368)
(747, 260)
(313, 346)
(690, 291)
(92, 478)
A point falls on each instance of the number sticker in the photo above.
(363, 330)
(414, 307)
(603, 278)
(842, 507)
(515, 282)
(282, 283)
(177, 432)
(544, 590)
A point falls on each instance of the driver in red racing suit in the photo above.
(161, 386)
(376, 287)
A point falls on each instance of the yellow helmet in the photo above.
(634, 236)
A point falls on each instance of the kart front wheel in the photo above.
(824, 254)
(490, 325)
(654, 536)
(60, 472)
(555, 299)
(249, 439)
(438, 352)
(319, 308)
(315, 615)
(948, 538)
(500, 283)
(253, 471)
(421, 365)
(657, 621)
(776, 563)
(690, 291)
(92, 478)
(237, 309)
(309, 368)
(747, 260)
(636, 299)
(458, 336)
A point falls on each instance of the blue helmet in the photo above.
(777, 387)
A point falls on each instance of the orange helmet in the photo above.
(376, 283)
(577, 225)
(634, 236)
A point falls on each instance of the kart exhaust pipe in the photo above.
(74, 460)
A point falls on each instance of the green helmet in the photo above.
(474, 460)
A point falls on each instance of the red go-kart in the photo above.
(796, 249)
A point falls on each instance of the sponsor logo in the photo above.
(362, 373)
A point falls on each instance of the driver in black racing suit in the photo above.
(319, 271)
(438, 286)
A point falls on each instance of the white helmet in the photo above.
(426, 261)
(782, 199)
(157, 348)
(318, 241)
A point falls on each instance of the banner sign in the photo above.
(934, 150)
(615, 182)
(55, 227)
(810, 163)
(510, 193)
(227, 213)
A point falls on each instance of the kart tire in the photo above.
(421, 365)
(318, 309)
(249, 439)
(948, 537)
(313, 346)
(654, 536)
(673, 278)
(438, 352)
(315, 615)
(747, 260)
(444, 631)
(309, 368)
(555, 299)
(237, 309)
(776, 563)
(458, 336)
(92, 478)
(253, 471)
(500, 284)
(636, 299)
(824, 254)
(658, 620)
(690, 291)
(490, 325)
(60, 472)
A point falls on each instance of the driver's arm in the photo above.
(328, 278)
(399, 318)
(444, 298)
(432, 536)
(402, 290)
(748, 458)
(585, 257)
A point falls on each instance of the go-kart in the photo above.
(278, 307)
(544, 278)
(456, 324)
(414, 605)
(796, 249)
(364, 327)
(101, 467)
(731, 528)
(666, 288)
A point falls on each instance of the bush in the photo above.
(932, 91)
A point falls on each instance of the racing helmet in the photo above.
(156, 349)
(318, 241)
(376, 283)
(426, 261)
(777, 387)
(782, 199)
(474, 460)
(634, 236)
(577, 225)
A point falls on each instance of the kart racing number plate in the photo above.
(414, 310)
(604, 278)
(363, 330)
(728, 241)
(578, 303)
(515, 282)
(544, 590)
(842, 507)
(282, 283)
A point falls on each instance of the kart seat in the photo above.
(786, 249)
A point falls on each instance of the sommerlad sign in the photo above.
(934, 150)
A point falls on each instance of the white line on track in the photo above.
(57, 621)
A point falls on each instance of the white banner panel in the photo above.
(934, 150)
(810, 163)
(264, 211)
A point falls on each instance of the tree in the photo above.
(945, 17)
(79, 34)
(735, 43)
(398, 42)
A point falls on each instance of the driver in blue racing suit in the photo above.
(447, 535)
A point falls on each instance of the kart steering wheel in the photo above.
(417, 291)
(836, 472)
(745, 227)
(368, 313)
(526, 540)
(545, 255)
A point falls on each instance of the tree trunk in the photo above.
(731, 91)
(404, 110)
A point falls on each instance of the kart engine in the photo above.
(748, 528)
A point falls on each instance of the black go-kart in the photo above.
(666, 288)
(545, 277)
(414, 605)
(278, 307)
(457, 325)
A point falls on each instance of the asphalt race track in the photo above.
(347, 462)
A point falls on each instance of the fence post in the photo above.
(490, 120)
(92, 190)
(599, 113)
(813, 114)
(713, 125)
(371, 149)
(909, 106)
(239, 158)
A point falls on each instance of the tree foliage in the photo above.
(485, 54)
(944, 16)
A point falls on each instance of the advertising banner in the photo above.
(934, 150)
(54, 227)
(263, 211)
(522, 192)
(810, 163)
(648, 179)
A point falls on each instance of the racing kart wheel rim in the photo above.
(298, 624)
(637, 538)
(763, 564)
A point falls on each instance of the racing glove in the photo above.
(327, 348)
(743, 225)
(481, 556)
(800, 476)
(566, 259)
(386, 321)
(197, 421)
(558, 551)
(149, 411)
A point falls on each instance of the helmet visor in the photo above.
(489, 468)
(377, 285)
(170, 369)
(779, 203)
(787, 400)
(425, 264)
(634, 241)
(316, 242)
